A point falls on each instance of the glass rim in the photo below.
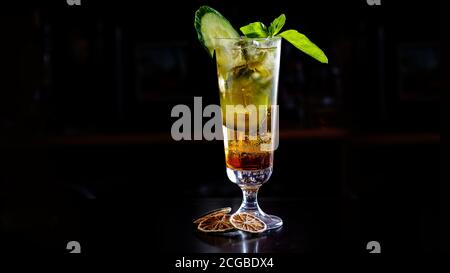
(252, 39)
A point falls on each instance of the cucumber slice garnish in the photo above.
(210, 24)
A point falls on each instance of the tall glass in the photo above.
(248, 71)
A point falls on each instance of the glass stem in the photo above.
(250, 199)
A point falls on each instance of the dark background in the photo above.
(85, 99)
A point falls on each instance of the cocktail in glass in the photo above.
(247, 70)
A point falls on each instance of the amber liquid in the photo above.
(248, 161)
(243, 153)
(247, 79)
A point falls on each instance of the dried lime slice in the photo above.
(205, 216)
(220, 222)
(247, 222)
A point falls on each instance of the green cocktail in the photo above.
(247, 70)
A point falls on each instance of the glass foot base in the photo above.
(250, 181)
(271, 221)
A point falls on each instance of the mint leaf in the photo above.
(301, 42)
(254, 30)
(277, 25)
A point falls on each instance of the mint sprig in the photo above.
(302, 42)
(255, 30)
(297, 39)
(277, 25)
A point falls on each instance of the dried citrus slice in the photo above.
(205, 216)
(220, 222)
(247, 222)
